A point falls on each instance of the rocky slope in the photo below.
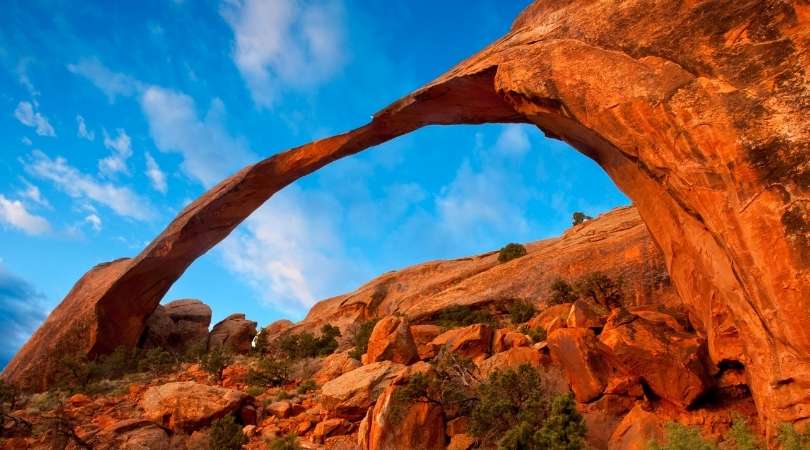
(698, 110)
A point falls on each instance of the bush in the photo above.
(360, 338)
(561, 292)
(306, 345)
(510, 252)
(215, 362)
(564, 428)
(740, 436)
(226, 434)
(679, 437)
(600, 288)
(462, 316)
(791, 439)
(9, 395)
(288, 442)
(580, 218)
(156, 360)
(271, 372)
(306, 386)
(261, 344)
(535, 334)
(521, 311)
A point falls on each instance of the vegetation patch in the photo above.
(510, 252)
(521, 311)
(307, 345)
(360, 337)
(462, 316)
(226, 434)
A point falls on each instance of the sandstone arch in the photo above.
(697, 110)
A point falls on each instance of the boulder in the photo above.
(461, 442)
(278, 327)
(671, 363)
(333, 366)
(545, 317)
(391, 340)
(178, 326)
(636, 430)
(456, 426)
(331, 427)
(418, 425)
(586, 314)
(187, 406)
(510, 359)
(132, 434)
(234, 333)
(585, 360)
(349, 395)
(504, 339)
(474, 341)
(423, 335)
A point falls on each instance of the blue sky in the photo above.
(113, 118)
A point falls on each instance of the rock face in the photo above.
(178, 325)
(186, 405)
(585, 360)
(350, 394)
(234, 332)
(419, 426)
(474, 341)
(391, 340)
(698, 112)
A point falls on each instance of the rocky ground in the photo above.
(614, 333)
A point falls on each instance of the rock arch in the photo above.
(697, 110)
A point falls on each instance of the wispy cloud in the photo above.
(94, 221)
(14, 213)
(209, 151)
(285, 43)
(113, 84)
(121, 147)
(82, 130)
(28, 116)
(21, 311)
(155, 175)
(78, 185)
(32, 192)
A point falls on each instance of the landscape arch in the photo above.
(697, 110)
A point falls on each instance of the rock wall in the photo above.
(698, 110)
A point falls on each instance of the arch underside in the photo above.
(714, 157)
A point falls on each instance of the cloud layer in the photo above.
(21, 311)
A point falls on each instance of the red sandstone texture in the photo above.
(697, 110)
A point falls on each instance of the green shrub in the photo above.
(226, 434)
(791, 439)
(511, 251)
(307, 345)
(288, 442)
(600, 288)
(271, 372)
(521, 311)
(462, 316)
(255, 391)
(580, 218)
(740, 436)
(283, 395)
(306, 386)
(215, 362)
(360, 338)
(561, 292)
(535, 334)
(564, 428)
(76, 372)
(679, 437)
(156, 360)
(195, 353)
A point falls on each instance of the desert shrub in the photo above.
(511, 251)
(283, 395)
(270, 372)
(254, 390)
(77, 371)
(740, 436)
(215, 362)
(521, 311)
(580, 218)
(535, 334)
(792, 439)
(307, 345)
(561, 292)
(600, 288)
(360, 337)
(261, 344)
(462, 316)
(156, 360)
(563, 429)
(288, 442)
(226, 434)
(307, 386)
(195, 353)
(679, 437)
(9, 396)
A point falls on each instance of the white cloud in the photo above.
(122, 150)
(156, 176)
(26, 114)
(111, 83)
(24, 79)
(32, 192)
(94, 221)
(83, 132)
(14, 213)
(80, 186)
(26, 141)
(290, 252)
(513, 141)
(285, 43)
(209, 152)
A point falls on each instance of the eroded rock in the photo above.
(187, 406)
(234, 333)
(391, 340)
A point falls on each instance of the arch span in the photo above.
(697, 110)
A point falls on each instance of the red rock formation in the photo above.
(697, 110)
(391, 340)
